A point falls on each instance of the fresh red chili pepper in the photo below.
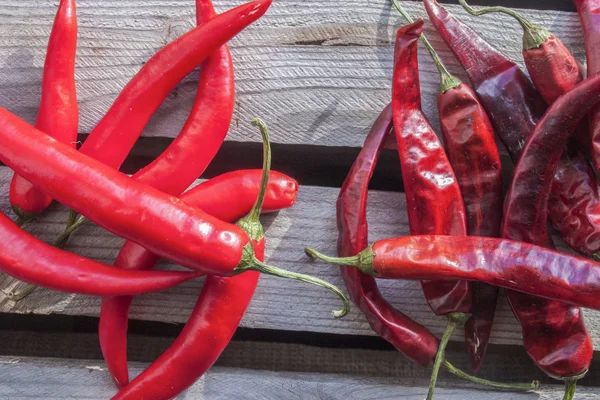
(161, 223)
(552, 67)
(514, 265)
(58, 114)
(27, 258)
(589, 14)
(473, 154)
(214, 197)
(433, 198)
(214, 319)
(410, 338)
(514, 108)
(172, 172)
(189, 154)
(525, 219)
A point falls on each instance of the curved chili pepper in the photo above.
(514, 265)
(514, 108)
(172, 172)
(525, 219)
(161, 223)
(433, 198)
(29, 259)
(552, 67)
(58, 114)
(189, 154)
(214, 197)
(215, 317)
(410, 338)
(589, 14)
(473, 154)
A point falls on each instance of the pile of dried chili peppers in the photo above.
(468, 238)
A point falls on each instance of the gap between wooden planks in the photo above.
(279, 303)
(317, 71)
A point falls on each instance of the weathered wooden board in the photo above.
(278, 304)
(317, 71)
(54, 379)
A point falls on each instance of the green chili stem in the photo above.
(570, 387)
(448, 81)
(251, 222)
(533, 35)
(62, 240)
(513, 386)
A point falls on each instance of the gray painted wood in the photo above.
(278, 304)
(29, 378)
(317, 71)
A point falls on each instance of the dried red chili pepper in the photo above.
(515, 107)
(433, 198)
(161, 223)
(525, 219)
(114, 136)
(590, 20)
(410, 338)
(552, 67)
(214, 198)
(58, 114)
(473, 154)
(514, 265)
(29, 259)
(215, 317)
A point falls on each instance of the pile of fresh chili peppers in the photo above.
(468, 238)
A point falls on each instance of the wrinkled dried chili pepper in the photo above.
(58, 114)
(214, 197)
(589, 14)
(115, 134)
(514, 265)
(161, 223)
(552, 67)
(473, 154)
(433, 198)
(525, 219)
(214, 319)
(410, 338)
(514, 107)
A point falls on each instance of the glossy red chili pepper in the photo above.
(525, 219)
(172, 172)
(112, 139)
(161, 223)
(589, 14)
(473, 154)
(214, 197)
(519, 266)
(58, 114)
(410, 338)
(514, 107)
(27, 258)
(433, 197)
(552, 67)
(214, 320)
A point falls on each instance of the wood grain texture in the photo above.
(317, 71)
(279, 303)
(54, 379)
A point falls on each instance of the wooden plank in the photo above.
(318, 72)
(28, 378)
(278, 304)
